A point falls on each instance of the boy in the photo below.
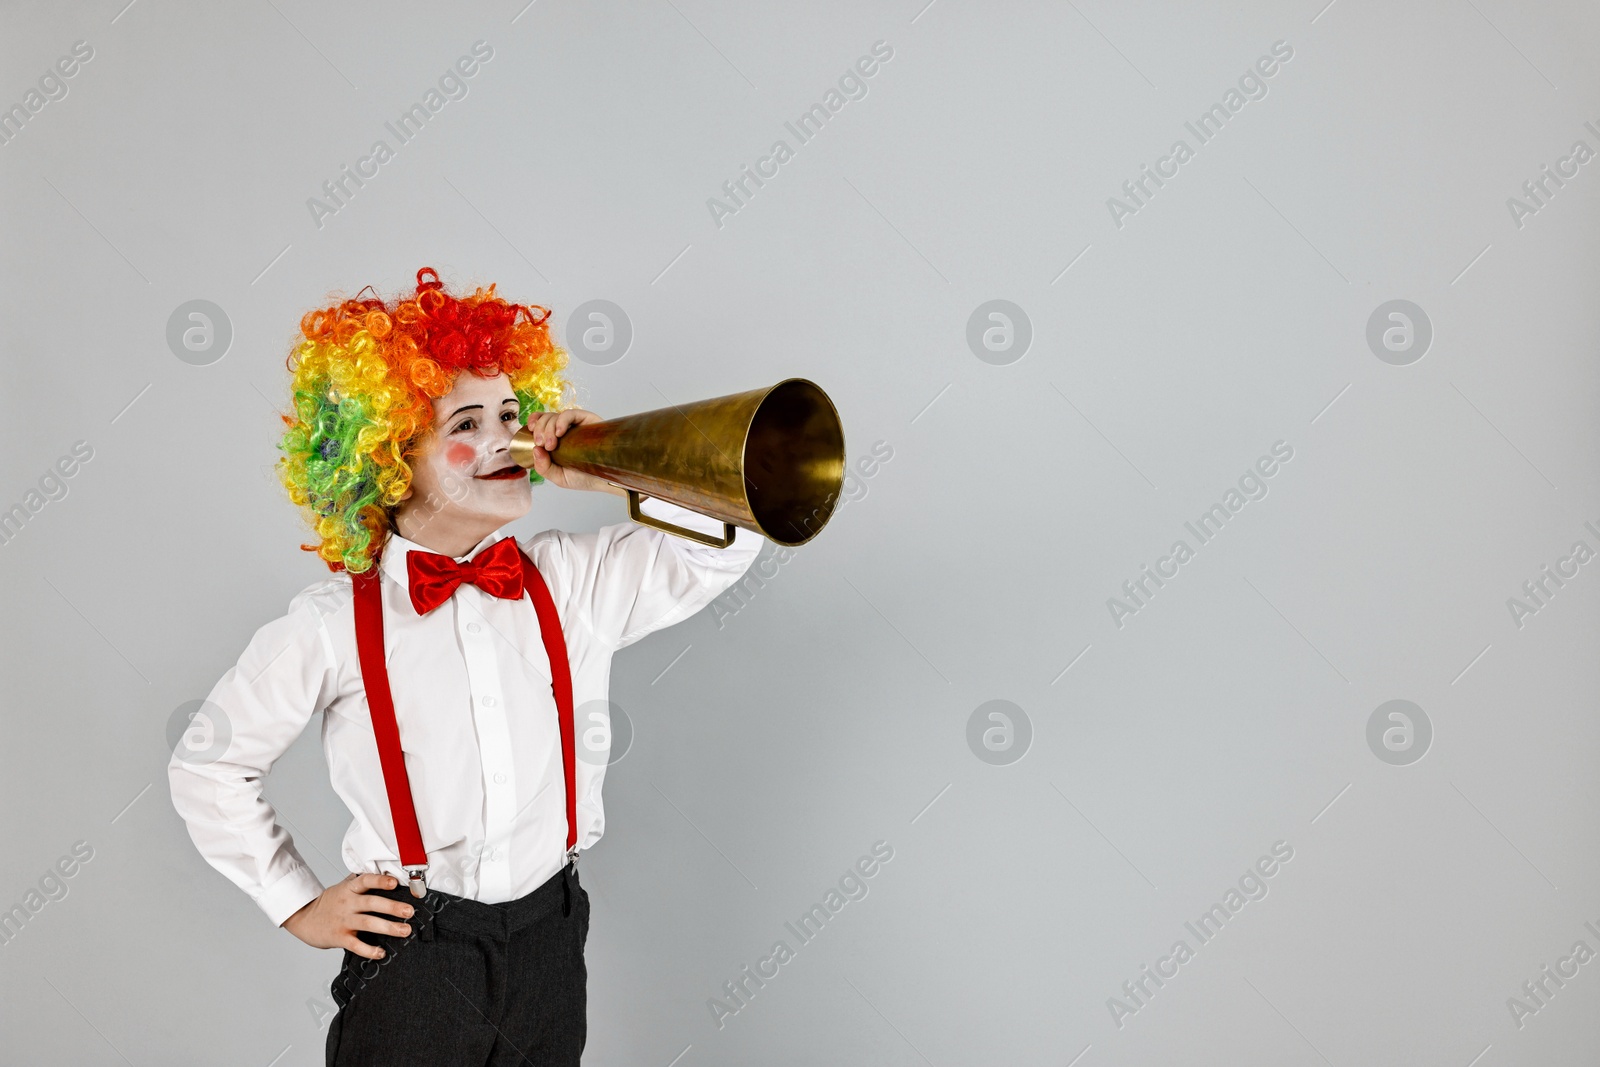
(445, 658)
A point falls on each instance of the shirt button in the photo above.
(473, 627)
(488, 701)
(500, 779)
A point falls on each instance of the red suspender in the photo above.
(555, 647)
(380, 702)
(375, 676)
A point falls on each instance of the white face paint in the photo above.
(454, 502)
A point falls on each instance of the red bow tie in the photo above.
(434, 578)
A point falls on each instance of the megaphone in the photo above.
(768, 460)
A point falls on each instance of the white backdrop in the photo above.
(1340, 345)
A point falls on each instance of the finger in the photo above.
(541, 460)
(361, 948)
(365, 882)
(388, 906)
(379, 925)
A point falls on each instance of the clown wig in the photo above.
(366, 374)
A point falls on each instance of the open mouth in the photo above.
(505, 473)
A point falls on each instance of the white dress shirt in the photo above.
(478, 723)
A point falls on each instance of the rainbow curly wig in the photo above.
(366, 374)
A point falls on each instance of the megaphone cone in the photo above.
(768, 460)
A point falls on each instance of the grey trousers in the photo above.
(496, 985)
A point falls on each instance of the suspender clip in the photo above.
(419, 885)
(572, 857)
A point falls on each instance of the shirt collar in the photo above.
(396, 548)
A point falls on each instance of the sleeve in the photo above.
(251, 716)
(629, 580)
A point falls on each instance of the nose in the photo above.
(501, 442)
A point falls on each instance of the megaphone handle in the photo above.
(634, 496)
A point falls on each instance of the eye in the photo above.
(508, 416)
(464, 424)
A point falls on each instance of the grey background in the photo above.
(831, 710)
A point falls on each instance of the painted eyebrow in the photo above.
(470, 407)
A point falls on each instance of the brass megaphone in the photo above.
(770, 460)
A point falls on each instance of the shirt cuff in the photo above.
(289, 894)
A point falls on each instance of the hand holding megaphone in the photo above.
(768, 460)
(545, 429)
